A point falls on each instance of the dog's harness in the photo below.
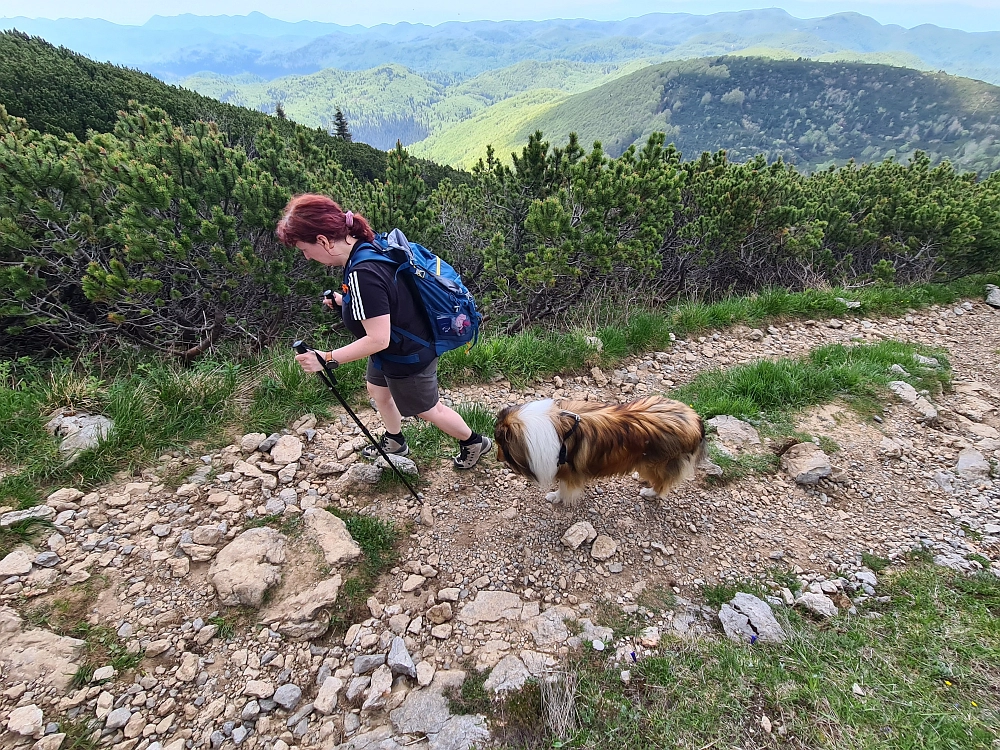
(567, 436)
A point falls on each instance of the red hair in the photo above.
(309, 215)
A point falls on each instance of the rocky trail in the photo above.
(228, 618)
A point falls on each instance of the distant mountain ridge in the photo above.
(174, 47)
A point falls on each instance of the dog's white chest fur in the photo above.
(543, 441)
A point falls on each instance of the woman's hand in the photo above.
(309, 361)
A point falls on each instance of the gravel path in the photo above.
(484, 580)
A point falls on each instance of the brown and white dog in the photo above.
(575, 441)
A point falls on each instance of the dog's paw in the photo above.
(553, 497)
(648, 492)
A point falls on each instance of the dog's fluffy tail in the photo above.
(694, 460)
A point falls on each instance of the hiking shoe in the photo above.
(471, 454)
(389, 445)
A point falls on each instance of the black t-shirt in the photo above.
(375, 291)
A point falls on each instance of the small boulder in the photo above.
(287, 450)
(992, 295)
(806, 463)
(26, 721)
(579, 533)
(247, 567)
(399, 659)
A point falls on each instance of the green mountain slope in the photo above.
(809, 113)
(390, 103)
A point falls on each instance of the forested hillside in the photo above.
(58, 91)
(808, 113)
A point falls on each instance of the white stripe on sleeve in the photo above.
(357, 306)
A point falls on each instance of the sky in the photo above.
(969, 15)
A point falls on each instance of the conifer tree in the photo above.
(340, 126)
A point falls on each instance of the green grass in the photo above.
(378, 540)
(874, 563)
(22, 532)
(82, 733)
(103, 648)
(928, 665)
(771, 388)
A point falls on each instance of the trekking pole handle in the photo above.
(301, 347)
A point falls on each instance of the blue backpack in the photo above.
(451, 309)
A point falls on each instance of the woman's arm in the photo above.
(376, 339)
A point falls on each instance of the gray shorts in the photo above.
(413, 394)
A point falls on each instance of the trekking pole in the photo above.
(331, 381)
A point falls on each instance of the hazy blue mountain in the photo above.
(178, 46)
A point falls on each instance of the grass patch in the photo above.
(769, 389)
(378, 540)
(874, 563)
(82, 733)
(22, 532)
(735, 468)
(927, 666)
(103, 648)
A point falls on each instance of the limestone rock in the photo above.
(331, 534)
(818, 604)
(806, 463)
(491, 606)
(44, 512)
(326, 699)
(306, 615)
(64, 499)
(26, 721)
(36, 654)
(287, 450)
(992, 295)
(423, 712)
(379, 689)
(548, 628)
(461, 733)
(404, 464)
(188, 669)
(579, 533)
(733, 432)
(251, 441)
(399, 659)
(604, 547)
(440, 613)
(972, 464)
(509, 674)
(78, 432)
(747, 618)
(247, 567)
(17, 563)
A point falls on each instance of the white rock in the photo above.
(331, 534)
(188, 669)
(26, 721)
(251, 441)
(806, 463)
(509, 674)
(17, 563)
(247, 567)
(579, 533)
(491, 606)
(734, 432)
(378, 691)
(604, 547)
(326, 699)
(287, 450)
(301, 616)
(818, 604)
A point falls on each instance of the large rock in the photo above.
(306, 614)
(908, 395)
(806, 463)
(287, 450)
(604, 547)
(78, 432)
(548, 628)
(329, 693)
(399, 659)
(972, 464)
(331, 534)
(379, 689)
(36, 654)
(404, 464)
(247, 567)
(251, 441)
(491, 606)
(819, 604)
(65, 498)
(26, 721)
(17, 563)
(747, 618)
(423, 712)
(992, 295)
(579, 533)
(733, 432)
(509, 674)
(461, 733)
(42, 512)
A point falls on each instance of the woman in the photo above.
(318, 227)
